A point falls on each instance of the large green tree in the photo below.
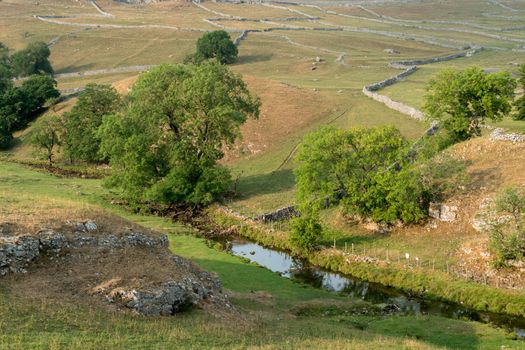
(464, 100)
(81, 141)
(372, 172)
(216, 45)
(34, 59)
(166, 145)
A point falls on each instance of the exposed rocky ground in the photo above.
(129, 269)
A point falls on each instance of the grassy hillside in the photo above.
(265, 301)
(306, 78)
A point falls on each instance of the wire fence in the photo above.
(402, 259)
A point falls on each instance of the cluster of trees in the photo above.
(166, 144)
(77, 131)
(21, 103)
(214, 45)
(164, 140)
(376, 174)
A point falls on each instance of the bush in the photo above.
(306, 230)
(505, 223)
(5, 137)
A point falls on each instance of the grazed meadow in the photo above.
(302, 85)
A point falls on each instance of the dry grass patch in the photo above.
(285, 111)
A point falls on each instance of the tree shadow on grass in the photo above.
(276, 181)
(253, 58)
(75, 69)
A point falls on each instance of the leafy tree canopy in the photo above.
(463, 100)
(20, 105)
(81, 141)
(166, 145)
(370, 171)
(216, 45)
(34, 59)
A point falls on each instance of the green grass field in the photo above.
(265, 300)
(264, 178)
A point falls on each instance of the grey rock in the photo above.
(51, 240)
(392, 51)
(443, 212)
(90, 225)
(499, 135)
(167, 299)
(17, 252)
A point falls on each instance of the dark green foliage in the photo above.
(20, 105)
(306, 229)
(374, 171)
(36, 91)
(81, 141)
(216, 45)
(463, 100)
(34, 59)
(166, 144)
(506, 226)
(6, 70)
(5, 135)
(45, 136)
(519, 104)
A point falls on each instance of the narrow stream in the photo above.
(297, 270)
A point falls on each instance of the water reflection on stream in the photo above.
(297, 270)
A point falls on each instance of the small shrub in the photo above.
(505, 223)
(306, 230)
(45, 137)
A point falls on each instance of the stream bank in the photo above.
(424, 283)
(390, 298)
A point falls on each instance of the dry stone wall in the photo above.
(409, 66)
